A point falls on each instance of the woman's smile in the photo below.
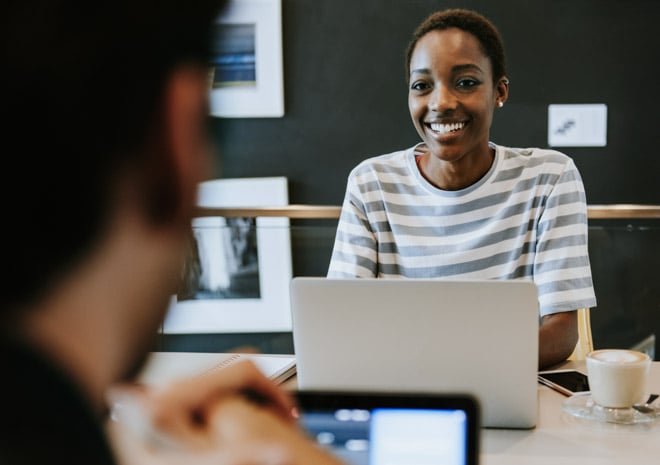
(445, 128)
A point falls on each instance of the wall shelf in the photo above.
(611, 211)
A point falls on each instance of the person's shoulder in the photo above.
(397, 160)
(536, 156)
(534, 152)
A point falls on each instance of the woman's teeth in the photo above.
(445, 128)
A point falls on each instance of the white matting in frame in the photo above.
(270, 312)
(248, 73)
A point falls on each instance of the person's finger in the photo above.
(130, 409)
(262, 390)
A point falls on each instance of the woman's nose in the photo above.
(442, 99)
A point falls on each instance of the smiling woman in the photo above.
(457, 204)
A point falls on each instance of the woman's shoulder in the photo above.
(393, 162)
(534, 152)
(535, 156)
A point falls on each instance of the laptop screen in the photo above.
(393, 429)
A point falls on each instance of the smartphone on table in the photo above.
(568, 382)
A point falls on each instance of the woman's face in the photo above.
(451, 95)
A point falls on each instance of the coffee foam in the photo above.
(618, 356)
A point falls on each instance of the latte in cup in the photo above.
(618, 377)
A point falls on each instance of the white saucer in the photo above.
(583, 406)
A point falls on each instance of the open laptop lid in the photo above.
(426, 335)
(393, 428)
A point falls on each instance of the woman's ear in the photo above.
(501, 91)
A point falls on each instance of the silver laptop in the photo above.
(422, 335)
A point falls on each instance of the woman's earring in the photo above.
(500, 104)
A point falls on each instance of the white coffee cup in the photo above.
(618, 377)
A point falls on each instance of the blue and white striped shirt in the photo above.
(525, 219)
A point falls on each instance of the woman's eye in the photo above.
(467, 83)
(419, 86)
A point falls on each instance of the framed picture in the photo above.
(246, 69)
(237, 275)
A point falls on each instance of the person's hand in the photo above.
(179, 413)
(234, 416)
(240, 433)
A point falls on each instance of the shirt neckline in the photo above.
(420, 148)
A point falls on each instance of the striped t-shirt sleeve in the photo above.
(562, 271)
(354, 254)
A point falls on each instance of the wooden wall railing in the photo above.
(611, 211)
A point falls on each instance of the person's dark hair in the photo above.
(469, 21)
(80, 88)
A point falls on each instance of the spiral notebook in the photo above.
(164, 367)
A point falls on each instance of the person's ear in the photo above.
(185, 117)
(501, 91)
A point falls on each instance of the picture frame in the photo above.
(269, 311)
(246, 69)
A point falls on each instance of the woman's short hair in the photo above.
(469, 21)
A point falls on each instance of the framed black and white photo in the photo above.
(247, 76)
(236, 278)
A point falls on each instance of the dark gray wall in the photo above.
(346, 95)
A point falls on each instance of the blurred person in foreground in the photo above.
(105, 109)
